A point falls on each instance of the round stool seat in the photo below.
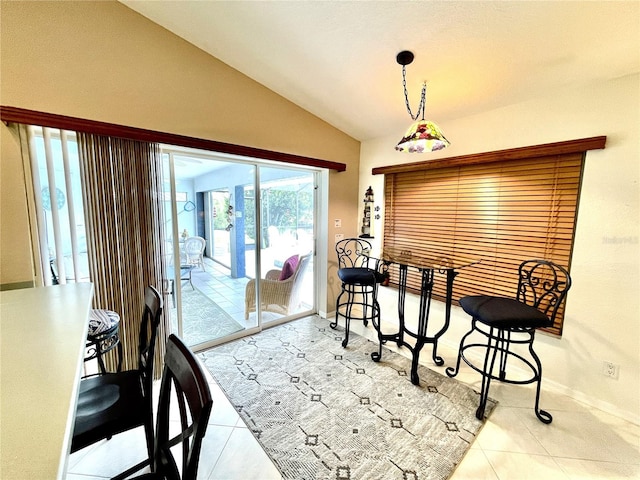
(359, 276)
(101, 321)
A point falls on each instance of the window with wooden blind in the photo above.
(499, 207)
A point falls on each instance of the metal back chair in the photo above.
(507, 323)
(102, 337)
(359, 275)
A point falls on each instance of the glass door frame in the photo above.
(316, 175)
(320, 185)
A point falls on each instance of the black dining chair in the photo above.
(113, 403)
(507, 323)
(184, 387)
(360, 277)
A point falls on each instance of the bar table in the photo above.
(427, 265)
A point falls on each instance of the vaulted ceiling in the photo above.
(337, 59)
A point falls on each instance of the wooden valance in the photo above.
(51, 120)
(544, 150)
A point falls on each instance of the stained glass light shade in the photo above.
(422, 136)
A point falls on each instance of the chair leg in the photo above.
(334, 324)
(543, 415)
(487, 371)
(347, 320)
(376, 356)
(453, 371)
(505, 345)
(346, 315)
(149, 432)
(375, 318)
(365, 304)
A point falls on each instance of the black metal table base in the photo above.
(420, 338)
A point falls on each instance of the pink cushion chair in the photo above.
(277, 293)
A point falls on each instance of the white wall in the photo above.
(602, 319)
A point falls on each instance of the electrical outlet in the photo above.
(610, 369)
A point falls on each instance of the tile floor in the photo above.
(582, 443)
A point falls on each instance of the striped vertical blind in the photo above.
(502, 212)
(122, 185)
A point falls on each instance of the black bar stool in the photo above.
(360, 278)
(505, 322)
(103, 336)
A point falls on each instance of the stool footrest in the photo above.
(502, 374)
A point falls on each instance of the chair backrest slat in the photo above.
(182, 374)
(147, 340)
(543, 284)
(353, 253)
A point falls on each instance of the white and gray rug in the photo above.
(202, 318)
(321, 411)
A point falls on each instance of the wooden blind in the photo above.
(502, 212)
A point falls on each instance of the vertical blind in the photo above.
(122, 193)
(502, 213)
(98, 206)
(55, 172)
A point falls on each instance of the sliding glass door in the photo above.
(256, 263)
(287, 223)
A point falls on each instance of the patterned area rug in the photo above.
(202, 318)
(321, 411)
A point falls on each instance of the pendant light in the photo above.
(423, 135)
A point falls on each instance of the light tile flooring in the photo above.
(582, 443)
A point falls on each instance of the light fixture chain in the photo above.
(406, 96)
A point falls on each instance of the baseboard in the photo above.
(326, 315)
(591, 402)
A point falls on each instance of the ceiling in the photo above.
(337, 59)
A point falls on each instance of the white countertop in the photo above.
(42, 338)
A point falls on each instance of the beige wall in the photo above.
(16, 267)
(603, 312)
(102, 61)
